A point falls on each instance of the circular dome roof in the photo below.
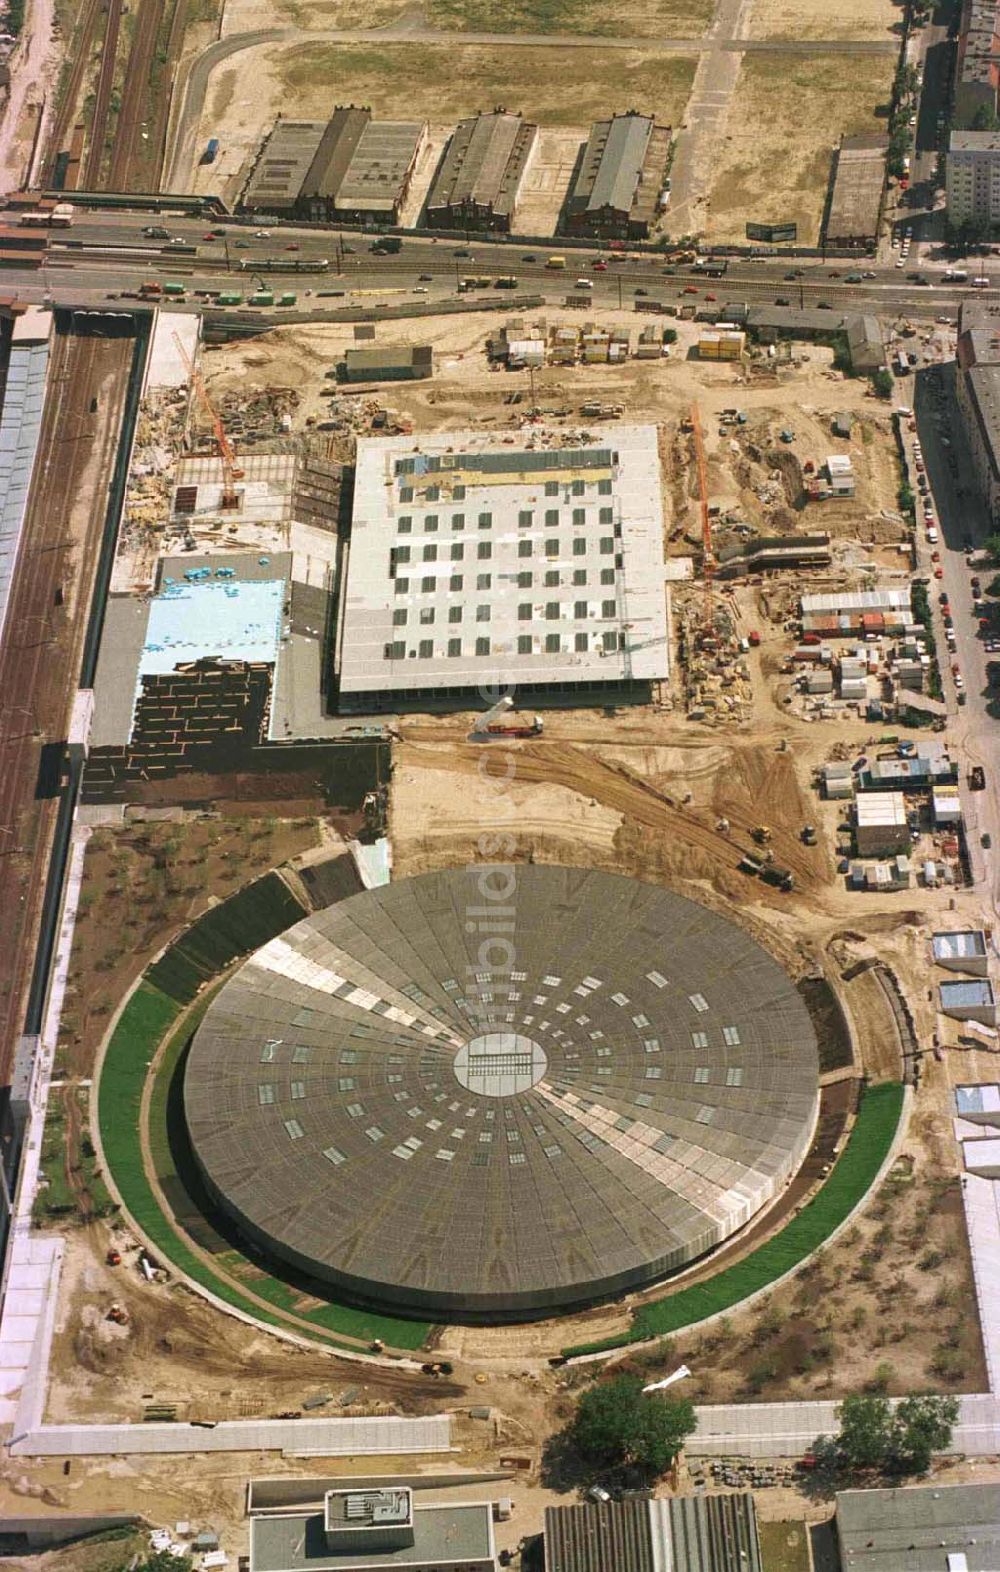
(498, 1092)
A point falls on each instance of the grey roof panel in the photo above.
(507, 1141)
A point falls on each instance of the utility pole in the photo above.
(620, 306)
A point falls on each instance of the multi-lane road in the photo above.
(104, 254)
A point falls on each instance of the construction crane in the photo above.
(708, 555)
(231, 469)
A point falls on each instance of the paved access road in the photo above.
(961, 519)
(433, 268)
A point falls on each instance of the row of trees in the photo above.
(618, 1425)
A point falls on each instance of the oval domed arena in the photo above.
(499, 1093)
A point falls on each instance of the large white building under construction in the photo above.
(474, 562)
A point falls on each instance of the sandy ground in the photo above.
(246, 93)
(785, 120)
(546, 184)
(815, 19)
(34, 67)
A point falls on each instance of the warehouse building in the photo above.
(881, 826)
(707, 1533)
(353, 168)
(855, 208)
(481, 174)
(861, 334)
(469, 556)
(620, 179)
(388, 363)
(362, 168)
(846, 613)
(282, 166)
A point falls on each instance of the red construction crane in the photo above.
(231, 469)
(708, 554)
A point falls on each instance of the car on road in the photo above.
(935, 556)
(689, 289)
(782, 300)
(976, 581)
(209, 236)
(243, 245)
(641, 291)
(932, 534)
(790, 278)
(262, 234)
(869, 274)
(949, 621)
(968, 547)
(986, 840)
(824, 305)
(943, 597)
(461, 252)
(420, 289)
(939, 572)
(711, 297)
(293, 245)
(529, 256)
(600, 267)
(426, 278)
(854, 278)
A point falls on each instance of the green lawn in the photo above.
(784, 1547)
(853, 1174)
(145, 1021)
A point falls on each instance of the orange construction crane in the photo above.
(231, 469)
(708, 555)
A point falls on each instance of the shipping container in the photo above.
(173, 289)
(263, 297)
(211, 152)
(230, 297)
(287, 299)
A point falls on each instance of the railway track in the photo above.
(136, 105)
(91, 172)
(82, 46)
(40, 653)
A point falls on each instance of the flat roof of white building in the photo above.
(881, 808)
(537, 560)
(967, 944)
(858, 600)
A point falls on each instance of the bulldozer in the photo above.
(761, 833)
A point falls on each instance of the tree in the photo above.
(900, 1441)
(922, 1426)
(882, 383)
(617, 1423)
(865, 1430)
(993, 550)
(984, 119)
